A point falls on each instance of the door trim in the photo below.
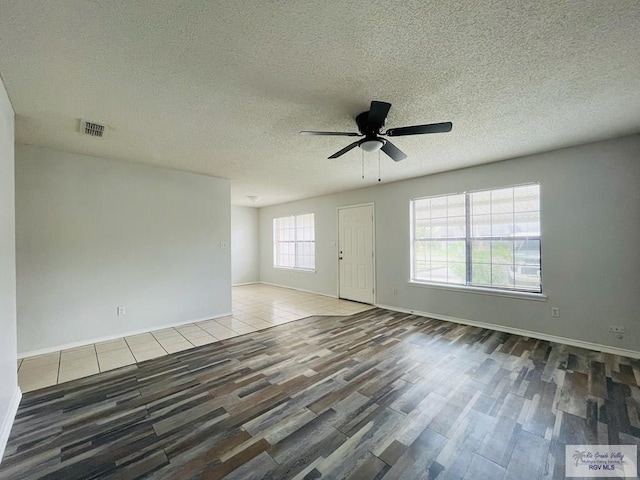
(373, 246)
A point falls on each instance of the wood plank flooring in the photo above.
(375, 395)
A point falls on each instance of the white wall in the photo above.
(244, 245)
(9, 392)
(93, 234)
(590, 243)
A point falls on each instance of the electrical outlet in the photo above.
(395, 291)
(555, 312)
(616, 329)
(121, 310)
(224, 244)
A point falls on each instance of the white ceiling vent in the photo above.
(92, 128)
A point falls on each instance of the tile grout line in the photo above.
(130, 351)
(175, 330)
(97, 358)
(180, 333)
(154, 338)
(59, 363)
(184, 338)
(95, 352)
(129, 347)
(165, 350)
(211, 334)
(237, 319)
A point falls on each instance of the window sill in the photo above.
(293, 269)
(538, 297)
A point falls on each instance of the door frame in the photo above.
(373, 246)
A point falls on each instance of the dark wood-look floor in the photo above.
(375, 395)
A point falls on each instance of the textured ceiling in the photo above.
(222, 88)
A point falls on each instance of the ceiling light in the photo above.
(253, 198)
(371, 145)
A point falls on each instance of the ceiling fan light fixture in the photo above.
(372, 145)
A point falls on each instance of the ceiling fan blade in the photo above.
(377, 115)
(420, 129)
(394, 152)
(337, 134)
(345, 150)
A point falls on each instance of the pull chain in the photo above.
(379, 165)
(362, 152)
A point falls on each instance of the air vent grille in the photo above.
(92, 129)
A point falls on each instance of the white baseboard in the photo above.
(245, 283)
(298, 289)
(524, 333)
(82, 343)
(7, 421)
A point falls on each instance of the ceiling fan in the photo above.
(370, 127)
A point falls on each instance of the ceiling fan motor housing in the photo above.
(371, 141)
(362, 121)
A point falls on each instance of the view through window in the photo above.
(294, 243)
(488, 238)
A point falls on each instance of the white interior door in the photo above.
(355, 253)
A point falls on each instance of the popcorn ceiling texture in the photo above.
(222, 88)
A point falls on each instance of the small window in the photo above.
(294, 244)
(488, 238)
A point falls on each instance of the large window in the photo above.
(294, 244)
(488, 238)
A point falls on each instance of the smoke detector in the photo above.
(93, 129)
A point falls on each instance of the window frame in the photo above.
(296, 242)
(468, 239)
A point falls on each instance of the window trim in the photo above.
(496, 292)
(468, 238)
(295, 242)
(296, 269)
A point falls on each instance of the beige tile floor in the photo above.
(255, 307)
